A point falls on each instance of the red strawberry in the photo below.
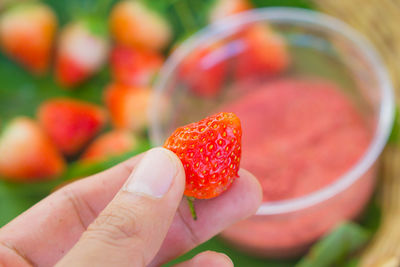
(210, 152)
(27, 34)
(135, 67)
(224, 8)
(81, 52)
(134, 24)
(71, 123)
(27, 154)
(204, 70)
(112, 143)
(128, 106)
(264, 53)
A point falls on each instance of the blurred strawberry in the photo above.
(204, 70)
(27, 154)
(128, 106)
(134, 24)
(71, 124)
(135, 67)
(224, 8)
(82, 51)
(113, 143)
(264, 52)
(27, 33)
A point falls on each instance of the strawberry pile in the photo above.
(130, 46)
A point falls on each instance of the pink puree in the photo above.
(299, 136)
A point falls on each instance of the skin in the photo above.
(93, 222)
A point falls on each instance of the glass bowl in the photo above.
(318, 48)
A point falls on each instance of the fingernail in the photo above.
(154, 174)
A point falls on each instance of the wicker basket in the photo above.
(379, 20)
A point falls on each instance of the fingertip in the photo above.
(180, 176)
(158, 172)
(252, 185)
(210, 259)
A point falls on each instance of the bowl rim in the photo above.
(228, 25)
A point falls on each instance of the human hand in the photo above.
(95, 222)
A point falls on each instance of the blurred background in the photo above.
(86, 84)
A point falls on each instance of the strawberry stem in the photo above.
(190, 201)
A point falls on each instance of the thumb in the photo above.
(130, 230)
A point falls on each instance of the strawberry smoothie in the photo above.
(299, 136)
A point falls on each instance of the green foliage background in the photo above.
(21, 93)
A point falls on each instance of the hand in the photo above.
(93, 222)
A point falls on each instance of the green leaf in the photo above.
(97, 26)
(351, 263)
(11, 205)
(184, 16)
(336, 247)
(395, 134)
(371, 217)
(291, 3)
